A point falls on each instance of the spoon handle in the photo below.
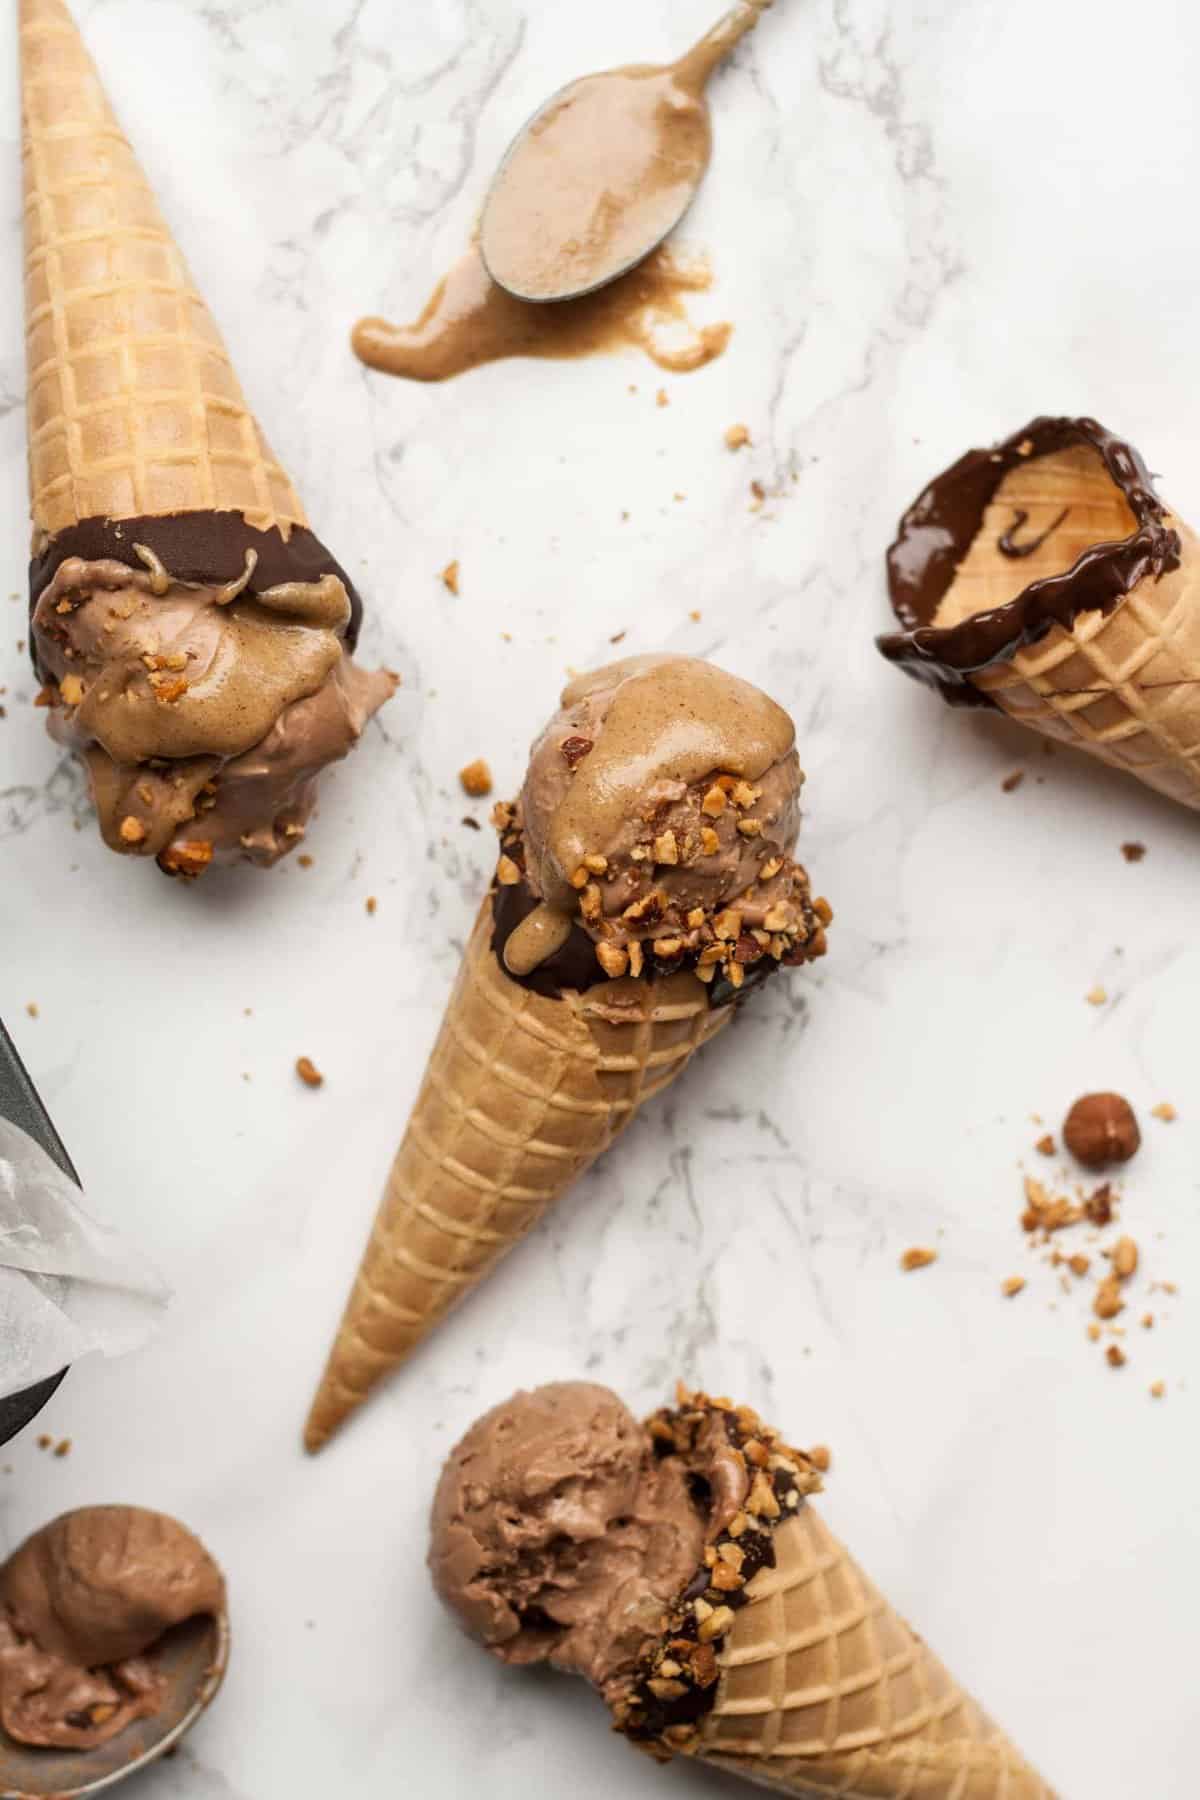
(697, 64)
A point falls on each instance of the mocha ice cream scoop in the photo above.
(681, 1569)
(86, 1607)
(658, 816)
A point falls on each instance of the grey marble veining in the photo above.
(923, 231)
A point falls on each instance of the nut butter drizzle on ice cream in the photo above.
(657, 818)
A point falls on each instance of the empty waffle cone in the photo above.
(1045, 578)
(134, 406)
(521, 1094)
(823, 1689)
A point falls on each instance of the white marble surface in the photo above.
(926, 224)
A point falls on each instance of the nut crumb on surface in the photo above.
(449, 576)
(32, 1008)
(662, 398)
(1158, 1389)
(1011, 782)
(1045, 1144)
(917, 1258)
(44, 1442)
(1164, 1111)
(305, 861)
(1012, 1286)
(1096, 996)
(1133, 853)
(821, 1457)
(736, 436)
(63, 1447)
(476, 778)
(371, 903)
(308, 1072)
(1115, 1357)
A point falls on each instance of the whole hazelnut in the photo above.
(1100, 1129)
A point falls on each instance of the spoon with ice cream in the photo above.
(114, 1636)
(604, 171)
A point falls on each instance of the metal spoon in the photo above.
(193, 1657)
(604, 171)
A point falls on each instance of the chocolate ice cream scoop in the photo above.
(563, 1531)
(84, 1603)
(658, 815)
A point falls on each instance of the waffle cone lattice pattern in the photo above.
(521, 1094)
(825, 1690)
(134, 406)
(1125, 687)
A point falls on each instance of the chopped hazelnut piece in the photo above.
(744, 795)
(597, 865)
(1045, 1144)
(1164, 1111)
(449, 576)
(719, 1620)
(1012, 1286)
(750, 827)
(728, 925)
(308, 1072)
(1093, 1332)
(507, 872)
(1124, 1258)
(613, 960)
(710, 843)
(736, 436)
(1096, 996)
(714, 802)
(1114, 1356)
(917, 1258)
(189, 859)
(666, 849)
(476, 778)
(1158, 1389)
(1108, 1302)
(1133, 853)
(1079, 1264)
(70, 690)
(821, 1457)
(132, 830)
(777, 919)
(636, 958)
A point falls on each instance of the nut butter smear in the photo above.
(586, 193)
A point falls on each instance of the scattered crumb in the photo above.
(1079, 1264)
(306, 862)
(662, 398)
(679, 496)
(308, 1072)
(1158, 1389)
(759, 493)
(470, 823)
(616, 637)
(1164, 1111)
(1098, 1207)
(1096, 996)
(44, 1442)
(1114, 1356)
(1133, 852)
(372, 903)
(31, 1007)
(917, 1259)
(736, 436)
(1093, 1331)
(821, 1457)
(1012, 1286)
(1013, 781)
(1108, 1302)
(1147, 1321)
(476, 779)
(1045, 1145)
(450, 576)
(63, 1448)
(695, 617)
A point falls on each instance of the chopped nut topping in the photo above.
(132, 830)
(718, 1621)
(613, 960)
(778, 919)
(308, 1072)
(736, 436)
(598, 865)
(449, 576)
(189, 859)
(507, 872)
(728, 925)
(1045, 1145)
(710, 843)
(574, 749)
(668, 947)
(636, 958)
(744, 795)
(1012, 1286)
(750, 827)
(714, 802)
(476, 778)
(591, 902)
(1079, 1264)
(821, 1457)
(725, 1579)
(917, 1259)
(70, 690)
(666, 849)
(1115, 1356)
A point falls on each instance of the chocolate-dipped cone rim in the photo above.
(663, 1708)
(938, 529)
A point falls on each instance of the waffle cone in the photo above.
(823, 1689)
(1123, 686)
(134, 406)
(521, 1094)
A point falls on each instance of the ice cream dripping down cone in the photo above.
(193, 635)
(645, 884)
(1045, 578)
(682, 1569)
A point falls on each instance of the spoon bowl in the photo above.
(193, 1657)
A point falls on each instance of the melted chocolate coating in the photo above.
(205, 547)
(937, 531)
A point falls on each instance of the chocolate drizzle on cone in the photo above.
(937, 532)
